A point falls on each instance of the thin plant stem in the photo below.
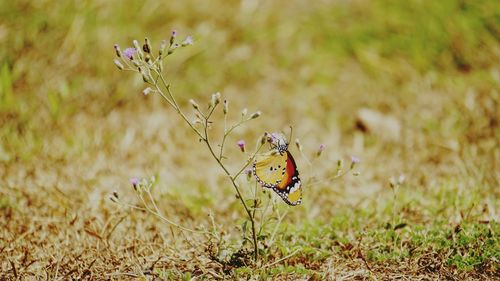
(235, 185)
(169, 97)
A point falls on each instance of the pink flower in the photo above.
(241, 144)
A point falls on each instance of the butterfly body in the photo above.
(277, 170)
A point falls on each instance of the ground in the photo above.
(74, 129)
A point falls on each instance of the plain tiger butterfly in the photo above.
(277, 170)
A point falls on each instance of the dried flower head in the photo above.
(147, 91)
(188, 41)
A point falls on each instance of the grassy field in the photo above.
(74, 129)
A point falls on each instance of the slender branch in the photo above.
(250, 159)
(254, 233)
(235, 185)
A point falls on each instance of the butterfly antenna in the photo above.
(291, 133)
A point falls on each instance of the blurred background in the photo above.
(409, 87)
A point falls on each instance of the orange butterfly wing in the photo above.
(278, 171)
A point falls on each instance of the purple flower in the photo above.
(129, 53)
(355, 160)
(134, 181)
(320, 149)
(241, 144)
(174, 33)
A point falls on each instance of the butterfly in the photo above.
(277, 170)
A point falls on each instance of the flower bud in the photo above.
(163, 46)
(244, 112)
(263, 138)
(226, 106)
(241, 144)
(255, 115)
(320, 149)
(145, 76)
(215, 99)
(138, 49)
(194, 104)
(118, 64)
(340, 164)
(297, 143)
(147, 46)
(249, 173)
(172, 37)
(118, 51)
